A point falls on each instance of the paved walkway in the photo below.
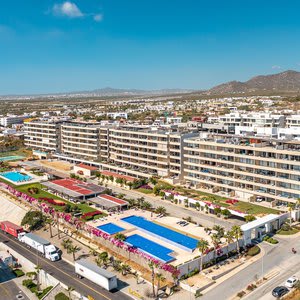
(206, 220)
(277, 257)
(127, 283)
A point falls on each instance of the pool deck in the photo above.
(35, 178)
(179, 254)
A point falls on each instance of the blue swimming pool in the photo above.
(178, 239)
(110, 228)
(149, 247)
(16, 176)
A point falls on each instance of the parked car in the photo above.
(279, 291)
(290, 283)
(260, 199)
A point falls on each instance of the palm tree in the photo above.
(160, 278)
(216, 241)
(125, 269)
(102, 259)
(49, 222)
(146, 205)
(66, 243)
(152, 266)
(38, 268)
(161, 210)
(73, 249)
(140, 201)
(70, 290)
(220, 230)
(237, 234)
(202, 245)
(229, 239)
(120, 236)
(93, 252)
(291, 206)
(117, 265)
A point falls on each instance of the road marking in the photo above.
(52, 266)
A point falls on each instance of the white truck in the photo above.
(41, 245)
(90, 271)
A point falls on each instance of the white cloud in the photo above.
(67, 9)
(98, 17)
(276, 67)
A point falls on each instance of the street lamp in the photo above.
(262, 267)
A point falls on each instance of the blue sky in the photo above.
(55, 46)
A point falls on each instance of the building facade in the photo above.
(244, 167)
(42, 135)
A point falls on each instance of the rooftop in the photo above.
(259, 222)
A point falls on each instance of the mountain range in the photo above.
(287, 81)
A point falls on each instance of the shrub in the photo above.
(273, 241)
(241, 294)
(250, 218)
(18, 272)
(253, 251)
(52, 201)
(90, 215)
(45, 291)
(61, 296)
(27, 282)
(270, 240)
(217, 210)
(251, 287)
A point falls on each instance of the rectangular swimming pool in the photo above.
(173, 237)
(9, 158)
(110, 228)
(149, 247)
(15, 176)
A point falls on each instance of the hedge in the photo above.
(253, 251)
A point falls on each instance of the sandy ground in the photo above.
(58, 165)
(10, 211)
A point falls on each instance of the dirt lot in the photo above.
(57, 165)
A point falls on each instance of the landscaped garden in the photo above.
(287, 229)
(36, 190)
(244, 207)
(21, 152)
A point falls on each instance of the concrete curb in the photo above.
(236, 270)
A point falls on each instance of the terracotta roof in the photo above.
(83, 166)
(113, 199)
(78, 186)
(117, 175)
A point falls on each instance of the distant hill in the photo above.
(108, 91)
(288, 81)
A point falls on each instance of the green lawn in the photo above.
(145, 191)
(20, 152)
(245, 207)
(43, 194)
(287, 232)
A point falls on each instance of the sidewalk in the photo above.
(127, 284)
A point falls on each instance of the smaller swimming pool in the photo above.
(149, 247)
(15, 176)
(9, 158)
(110, 228)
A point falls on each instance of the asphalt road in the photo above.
(64, 272)
(173, 209)
(179, 211)
(277, 257)
(9, 291)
